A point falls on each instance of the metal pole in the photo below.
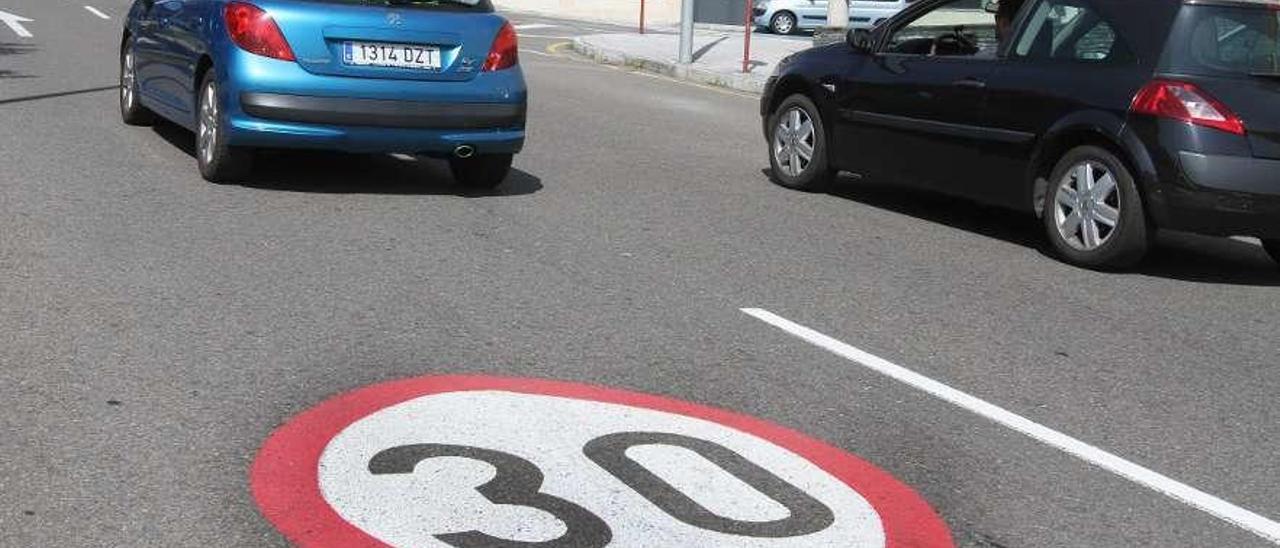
(746, 40)
(641, 16)
(837, 15)
(686, 32)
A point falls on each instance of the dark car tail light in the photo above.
(256, 32)
(505, 52)
(1186, 102)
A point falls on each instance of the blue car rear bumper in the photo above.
(279, 104)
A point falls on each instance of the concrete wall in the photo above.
(626, 12)
(720, 12)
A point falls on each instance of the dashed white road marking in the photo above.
(1221, 509)
(534, 26)
(97, 12)
(15, 23)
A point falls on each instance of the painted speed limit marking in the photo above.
(486, 461)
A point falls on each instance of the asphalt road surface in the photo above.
(155, 329)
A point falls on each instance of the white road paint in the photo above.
(1235, 515)
(97, 12)
(440, 495)
(534, 26)
(15, 23)
(689, 472)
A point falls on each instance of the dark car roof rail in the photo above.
(1236, 3)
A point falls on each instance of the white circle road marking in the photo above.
(551, 432)
(469, 461)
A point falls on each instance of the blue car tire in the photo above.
(219, 162)
(481, 172)
(131, 109)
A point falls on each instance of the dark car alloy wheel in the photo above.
(1093, 212)
(798, 145)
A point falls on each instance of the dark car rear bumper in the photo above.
(337, 111)
(1226, 195)
(1232, 173)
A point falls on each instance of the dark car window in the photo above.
(956, 28)
(448, 5)
(1070, 30)
(1225, 41)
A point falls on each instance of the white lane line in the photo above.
(1235, 515)
(95, 11)
(15, 23)
(534, 26)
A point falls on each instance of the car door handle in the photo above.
(970, 83)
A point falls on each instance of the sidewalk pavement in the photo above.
(717, 55)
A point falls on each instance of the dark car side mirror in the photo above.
(859, 40)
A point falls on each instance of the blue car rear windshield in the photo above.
(484, 6)
(1219, 40)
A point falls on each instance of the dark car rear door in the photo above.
(913, 114)
(1232, 51)
(1069, 67)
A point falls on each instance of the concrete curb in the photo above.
(749, 83)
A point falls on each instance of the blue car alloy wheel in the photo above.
(437, 78)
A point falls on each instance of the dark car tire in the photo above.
(784, 22)
(482, 172)
(219, 162)
(131, 109)
(1273, 249)
(817, 174)
(1124, 244)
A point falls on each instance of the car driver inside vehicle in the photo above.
(1006, 12)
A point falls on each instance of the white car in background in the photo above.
(792, 16)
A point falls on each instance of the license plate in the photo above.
(374, 54)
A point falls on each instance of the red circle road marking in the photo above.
(285, 483)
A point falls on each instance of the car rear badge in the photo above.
(467, 64)
(395, 19)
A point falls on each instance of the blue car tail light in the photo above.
(505, 52)
(256, 32)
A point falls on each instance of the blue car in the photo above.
(438, 78)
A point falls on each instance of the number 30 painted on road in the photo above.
(501, 462)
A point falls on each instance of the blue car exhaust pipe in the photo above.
(464, 151)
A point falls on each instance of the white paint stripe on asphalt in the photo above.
(95, 11)
(536, 52)
(14, 22)
(533, 26)
(1235, 515)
